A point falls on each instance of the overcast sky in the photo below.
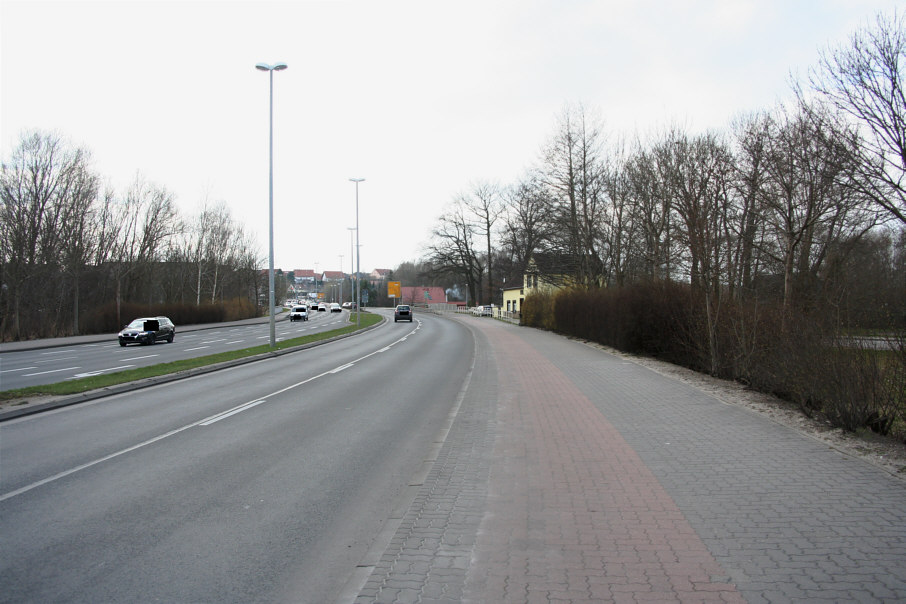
(422, 99)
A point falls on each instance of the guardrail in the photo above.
(496, 311)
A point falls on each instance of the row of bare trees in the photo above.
(777, 206)
(69, 245)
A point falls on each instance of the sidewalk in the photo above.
(571, 475)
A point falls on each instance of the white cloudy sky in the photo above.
(420, 98)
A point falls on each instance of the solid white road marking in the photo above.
(98, 372)
(51, 371)
(234, 411)
(205, 421)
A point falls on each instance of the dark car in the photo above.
(402, 313)
(147, 330)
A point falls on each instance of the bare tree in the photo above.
(78, 228)
(45, 182)
(699, 174)
(864, 80)
(749, 174)
(573, 173)
(148, 218)
(526, 227)
(620, 229)
(806, 204)
(453, 248)
(484, 203)
(199, 229)
(651, 211)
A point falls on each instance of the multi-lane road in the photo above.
(33, 367)
(264, 482)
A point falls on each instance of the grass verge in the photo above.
(120, 377)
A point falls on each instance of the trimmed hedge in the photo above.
(796, 355)
(103, 320)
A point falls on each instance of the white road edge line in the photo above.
(51, 371)
(227, 414)
(85, 466)
(147, 356)
(209, 419)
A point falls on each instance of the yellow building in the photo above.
(533, 281)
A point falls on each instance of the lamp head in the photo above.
(275, 67)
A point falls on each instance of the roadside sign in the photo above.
(394, 289)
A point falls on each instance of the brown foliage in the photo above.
(103, 320)
(793, 354)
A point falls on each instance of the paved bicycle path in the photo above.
(572, 475)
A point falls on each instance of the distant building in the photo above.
(423, 295)
(304, 276)
(334, 276)
(380, 274)
(543, 274)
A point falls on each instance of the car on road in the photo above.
(322, 307)
(147, 330)
(298, 313)
(483, 311)
(334, 307)
(403, 312)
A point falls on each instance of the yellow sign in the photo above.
(394, 290)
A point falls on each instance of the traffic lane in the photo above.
(46, 366)
(36, 367)
(257, 506)
(71, 437)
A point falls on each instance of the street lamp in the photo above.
(270, 273)
(353, 276)
(343, 279)
(358, 261)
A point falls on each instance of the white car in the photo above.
(334, 307)
(298, 313)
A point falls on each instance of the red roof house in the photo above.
(423, 295)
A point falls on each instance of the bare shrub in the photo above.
(538, 310)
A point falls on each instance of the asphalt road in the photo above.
(265, 482)
(21, 365)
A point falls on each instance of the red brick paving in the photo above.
(573, 514)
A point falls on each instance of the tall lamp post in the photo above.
(270, 272)
(343, 279)
(358, 262)
(353, 276)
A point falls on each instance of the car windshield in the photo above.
(402, 308)
(137, 324)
